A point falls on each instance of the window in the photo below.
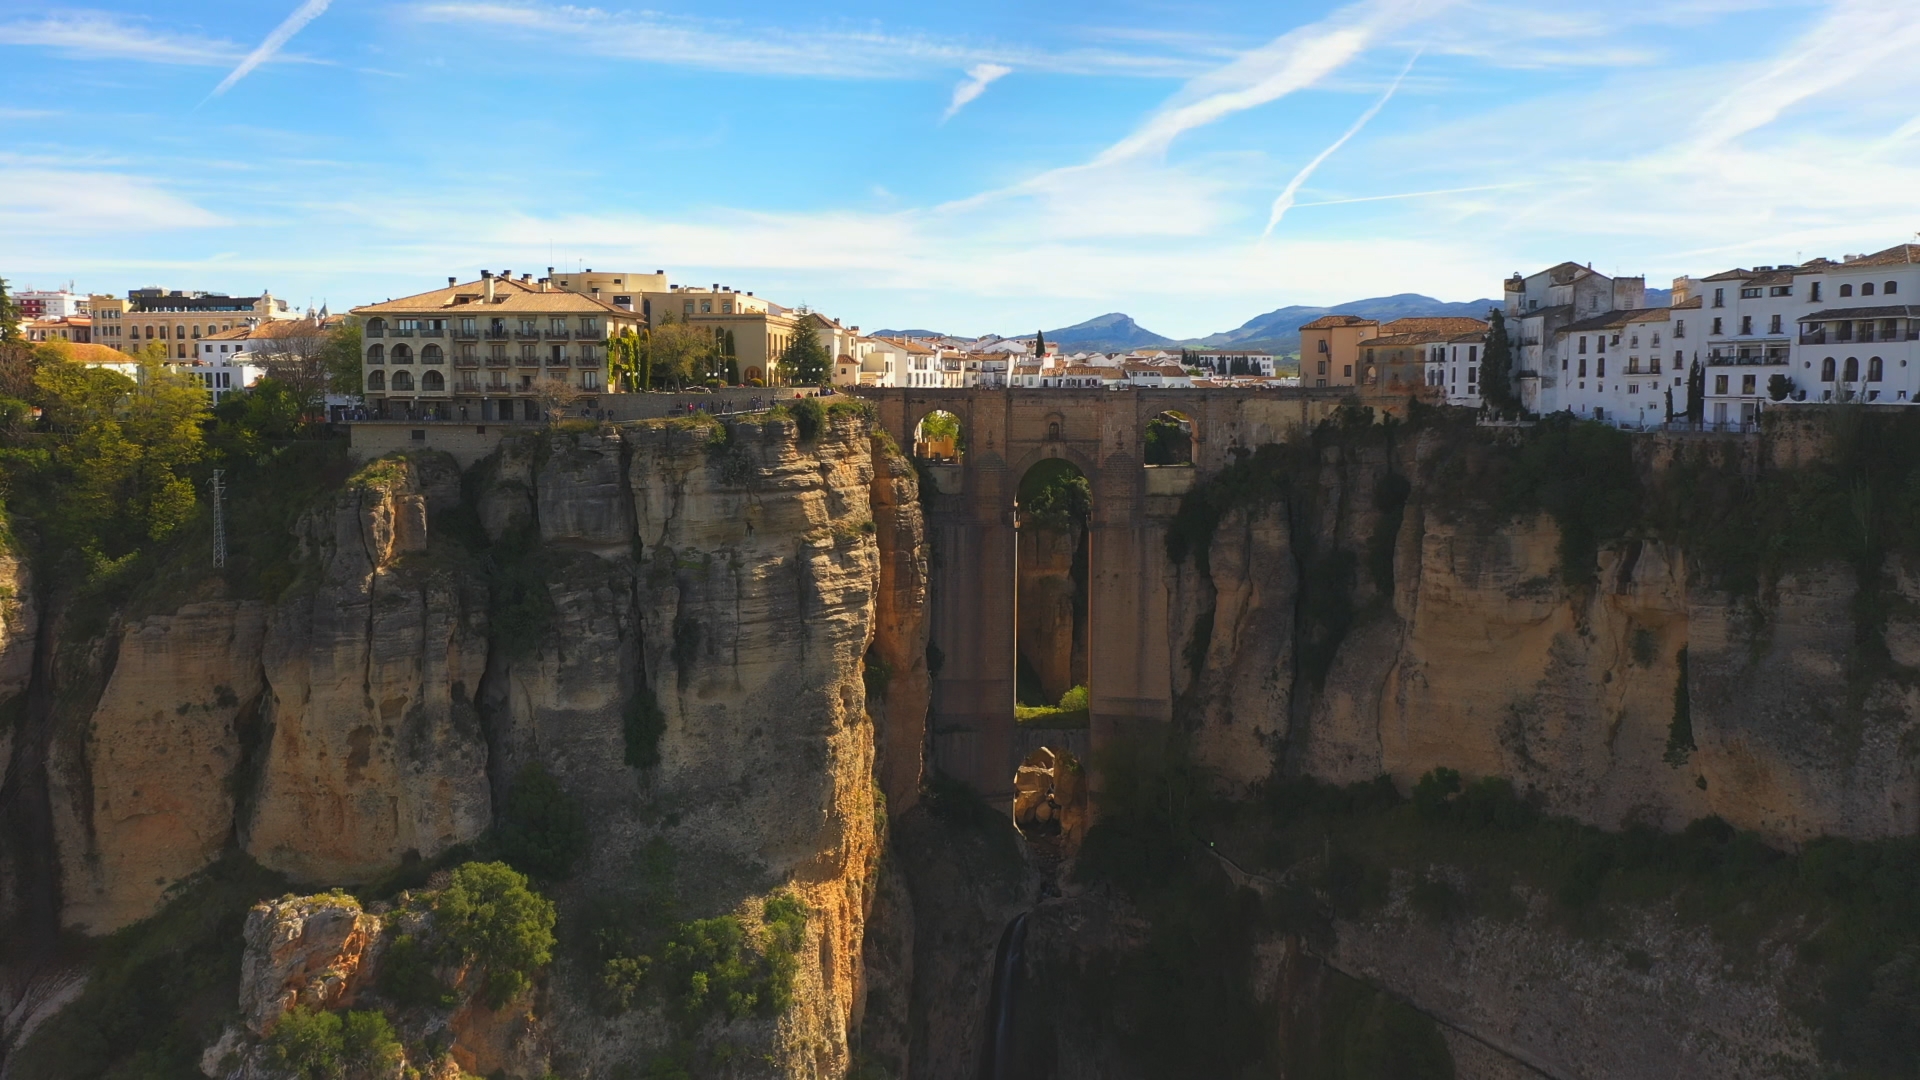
(706, 306)
(468, 326)
(1746, 324)
(1853, 369)
(1679, 329)
(726, 307)
(1813, 292)
(376, 380)
(1323, 365)
(590, 380)
(402, 354)
(1322, 347)
(1892, 287)
(430, 355)
(1826, 370)
(402, 381)
(1719, 384)
(1583, 367)
(1717, 330)
(1473, 355)
(1470, 376)
(376, 354)
(528, 356)
(1774, 326)
(1873, 369)
(689, 306)
(1633, 388)
(557, 326)
(1750, 294)
(1846, 290)
(433, 380)
(1583, 343)
(1656, 341)
(1746, 383)
(1600, 368)
(1866, 289)
(1346, 371)
(1719, 298)
(1780, 290)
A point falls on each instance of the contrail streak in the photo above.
(1285, 202)
(302, 15)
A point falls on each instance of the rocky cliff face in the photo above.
(1335, 635)
(708, 635)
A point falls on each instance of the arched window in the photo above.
(1846, 290)
(1873, 369)
(429, 354)
(1853, 369)
(376, 353)
(1826, 370)
(196, 331)
(1866, 289)
(376, 380)
(402, 381)
(1891, 288)
(180, 351)
(180, 332)
(433, 380)
(376, 327)
(402, 354)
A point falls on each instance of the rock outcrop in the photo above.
(312, 952)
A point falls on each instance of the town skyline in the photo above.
(999, 172)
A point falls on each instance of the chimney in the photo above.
(508, 274)
(450, 281)
(486, 276)
(596, 292)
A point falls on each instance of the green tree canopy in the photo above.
(488, 915)
(340, 357)
(9, 315)
(804, 362)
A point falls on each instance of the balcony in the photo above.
(557, 335)
(433, 332)
(466, 386)
(587, 361)
(403, 332)
(372, 332)
(497, 361)
(497, 335)
(527, 334)
(466, 361)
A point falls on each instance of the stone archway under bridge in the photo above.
(970, 525)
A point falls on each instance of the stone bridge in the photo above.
(970, 524)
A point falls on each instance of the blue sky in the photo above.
(989, 166)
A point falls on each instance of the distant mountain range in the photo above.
(1278, 331)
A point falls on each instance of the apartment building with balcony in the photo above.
(1539, 305)
(478, 350)
(1398, 357)
(1453, 366)
(1626, 367)
(1745, 329)
(1859, 334)
(760, 329)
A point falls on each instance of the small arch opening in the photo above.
(1169, 439)
(938, 438)
(1050, 798)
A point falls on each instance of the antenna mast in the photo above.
(219, 519)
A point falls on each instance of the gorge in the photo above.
(1411, 749)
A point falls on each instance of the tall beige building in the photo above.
(480, 350)
(176, 318)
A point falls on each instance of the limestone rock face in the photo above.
(900, 630)
(582, 494)
(157, 756)
(375, 749)
(1049, 622)
(310, 951)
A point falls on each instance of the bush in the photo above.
(1074, 700)
(809, 416)
(488, 915)
(407, 977)
(329, 1046)
(544, 832)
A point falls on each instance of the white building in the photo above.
(1539, 305)
(1156, 375)
(1622, 367)
(1861, 339)
(1232, 361)
(51, 303)
(1454, 367)
(1746, 325)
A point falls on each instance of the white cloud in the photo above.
(726, 45)
(59, 202)
(979, 77)
(98, 34)
(308, 11)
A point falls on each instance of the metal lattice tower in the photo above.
(219, 519)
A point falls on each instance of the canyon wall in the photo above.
(1331, 634)
(760, 595)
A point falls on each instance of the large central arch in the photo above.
(970, 525)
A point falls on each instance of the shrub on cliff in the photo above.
(489, 916)
(543, 832)
(331, 1046)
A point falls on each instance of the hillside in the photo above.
(1279, 330)
(1111, 332)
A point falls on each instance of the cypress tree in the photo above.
(1039, 343)
(9, 315)
(1696, 392)
(1496, 367)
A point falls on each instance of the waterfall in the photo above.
(996, 1057)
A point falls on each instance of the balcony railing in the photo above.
(587, 361)
(497, 335)
(403, 332)
(557, 335)
(466, 334)
(433, 332)
(527, 334)
(371, 332)
(466, 361)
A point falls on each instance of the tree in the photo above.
(489, 916)
(341, 356)
(9, 316)
(556, 395)
(1039, 343)
(679, 351)
(313, 1045)
(304, 359)
(1696, 392)
(1496, 367)
(805, 361)
(1779, 386)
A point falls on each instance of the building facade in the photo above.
(1859, 337)
(1330, 349)
(177, 319)
(493, 349)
